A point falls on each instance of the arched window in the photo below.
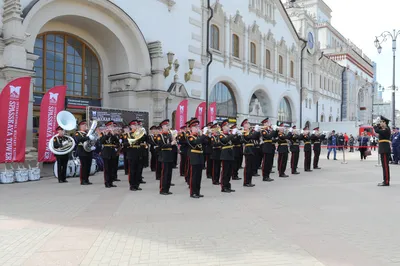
(226, 103)
(309, 103)
(235, 45)
(330, 119)
(292, 70)
(280, 65)
(268, 59)
(253, 53)
(65, 59)
(214, 37)
(306, 103)
(285, 112)
(322, 118)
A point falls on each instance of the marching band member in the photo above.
(307, 149)
(62, 160)
(134, 158)
(283, 151)
(248, 137)
(109, 141)
(384, 148)
(237, 154)
(216, 155)
(207, 152)
(316, 139)
(118, 148)
(125, 148)
(258, 156)
(188, 165)
(152, 143)
(195, 141)
(166, 142)
(144, 150)
(158, 153)
(268, 149)
(227, 157)
(183, 150)
(294, 137)
(84, 156)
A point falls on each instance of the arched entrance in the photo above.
(260, 104)
(285, 112)
(225, 99)
(308, 124)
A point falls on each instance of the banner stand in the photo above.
(379, 161)
(344, 156)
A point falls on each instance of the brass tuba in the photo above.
(138, 134)
(87, 145)
(67, 121)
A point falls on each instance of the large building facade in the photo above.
(150, 55)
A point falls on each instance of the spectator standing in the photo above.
(332, 142)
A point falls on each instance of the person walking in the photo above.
(332, 142)
(363, 145)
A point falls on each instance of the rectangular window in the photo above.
(268, 59)
(235, 45)
(280, 65)
(253, 53)
(292, 70)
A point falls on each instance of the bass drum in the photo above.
(70, 169)
(93, 167)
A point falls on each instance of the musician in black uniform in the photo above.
(195, 140)
(216, 154)
(165, 142)
(125, 148)
(134, 157)
(183, 150)
(227, 157)
(144, 149)
(316, 139)
(207, 148)
(294, 138)
(283, 151)
(384, 150)
(248, 138)
(188, 165)
(109, 140)
(84, 156)
(62, 160)
(268, 149)
(305, 137)
(237, 154)
(152, 144)
(158, 153)
(118, 148)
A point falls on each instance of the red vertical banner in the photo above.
(201, 113)
(212, 112)
(14, 102)
(181, 114)
(52, 103)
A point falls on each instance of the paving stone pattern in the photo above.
(333, 216)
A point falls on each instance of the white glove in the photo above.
(234, 131)
(91, 137)
(257, 128)
(93, 148)
(313, 132)
(290, 130)
(205, 130)
(120, 140)
(274, 127)
(239, 133)
(65, 143)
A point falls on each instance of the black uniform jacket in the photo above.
(249, 139)
(216, 145)
(152, 142)
(237, 148)
(81, 137)
(316, 140)
(196, 149)
(134, 152)
(164, 142)
(268, 145)
(58, 143)
(384, 139)
(110, 143)
(307, 142)
(207, 146)
(182, 141)
(227, 147)
(283, 145)
(295, 142)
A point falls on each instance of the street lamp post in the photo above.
(378, 41)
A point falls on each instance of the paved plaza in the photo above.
(333, 216)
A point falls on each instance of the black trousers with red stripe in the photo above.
(226, 174)
(268, 161)
(216, 171)
(195, 179)
(317, 153)
(166, 176)
(86, 163)
(134, 172)
(209, 166)
(248, 168)
(385, 167)
(294, 161)
(182, 164)
(307, 160)
(108, 171)
(188, 169)
(126, 164)
(158, 169)
(282, 162)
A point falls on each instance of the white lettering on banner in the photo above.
(51, 113)
(181, 114)
(11, 119)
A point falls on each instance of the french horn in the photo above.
(66, 121)
(138, 134)
(87, 145)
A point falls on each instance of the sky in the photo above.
(362, 20)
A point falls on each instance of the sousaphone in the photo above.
(66, 121)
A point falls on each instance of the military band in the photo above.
(294, 139)
(268, 137)
(110, 142)
(85, 156)
(316, 140)
(165, 141)
(62, 160)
